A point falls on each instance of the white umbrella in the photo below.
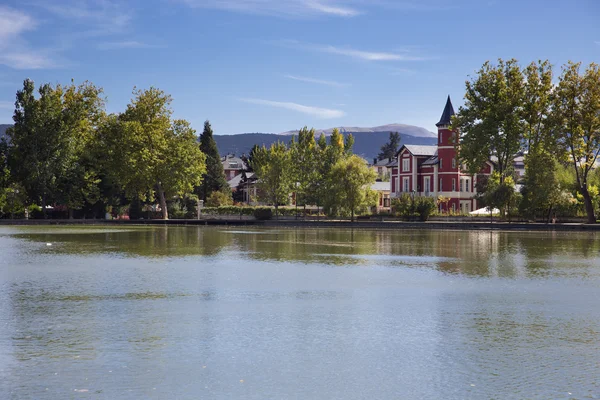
(484, 211)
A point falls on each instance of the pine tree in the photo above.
(214, 179)
(390, 149)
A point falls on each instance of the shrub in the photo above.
(218, 199)
(263, 213)
(408, 207)
(424, 206)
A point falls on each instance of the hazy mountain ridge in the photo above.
(366, 144)
(404, 129)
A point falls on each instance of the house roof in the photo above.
(447, 114)
(417, 150)
(433, 160)
(232, 162)
(236, 180)
(385, 162)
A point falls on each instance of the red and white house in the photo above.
(434, 170)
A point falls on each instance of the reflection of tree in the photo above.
(160, 241)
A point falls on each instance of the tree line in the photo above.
(511, 110)
(319, 173)
(64, 149)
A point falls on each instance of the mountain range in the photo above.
(367, 141)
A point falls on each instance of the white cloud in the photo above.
(317, 81)
(13, 23)
(7, 105)
(399, 55)
(367, 55)
(101, 17)
(323, 113)
(280, 8)
(15, 52)
(127, 44)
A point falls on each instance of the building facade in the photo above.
(434, 171)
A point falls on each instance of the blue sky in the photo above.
(277, 65)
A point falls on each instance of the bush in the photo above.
(263, 213)
(408, 207)
(219, 199)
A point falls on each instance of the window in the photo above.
(405, 164)
(467, 186)
(427, 184)
(233, 164)
(405, 185)
(453, 163)
(386, 202)
(440, 189)
(453, 207)
(397, 185)
(441, 164)
(460, 183)
(453, 184)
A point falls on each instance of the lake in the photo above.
(109, 312)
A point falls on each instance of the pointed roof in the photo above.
(447, 114)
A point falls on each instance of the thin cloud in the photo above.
(15, 52)
(127, 44)
(323, 113)
(399, 55)
(102, 17)
(317, 81)
(280, 8)
(597, 42)
(6, 105)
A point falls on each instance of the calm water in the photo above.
(213, 313)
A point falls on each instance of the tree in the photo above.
(351, 179)
(490, 121)
(37, 143)
(304, 164)
(214, 178)
(148, 154)
(499, 193)
(330, 155)
(577, 115)
(541, 190)
(272, 167)
(390, 149)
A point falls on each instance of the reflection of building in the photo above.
(434, 170)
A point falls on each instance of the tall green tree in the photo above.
(577, 115)
(150, 155)
(330, 155)
(351, 179)
(304, 166)
(39, 146)
(390, 149)
(490, 121)
(214, 179)
(273, 169)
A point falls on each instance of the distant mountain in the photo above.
(404, 129)
(367, 141)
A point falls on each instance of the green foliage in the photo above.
(577, 118)
(490, 120)
(148, 154)
(218, 199)
(351, 179)
(500, 194)
(214, 179)
(305, 167)
(273, 169)
(263, 213)
(541, 190)
(409, 207)
(390, 149)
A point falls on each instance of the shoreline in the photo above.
(395, 225)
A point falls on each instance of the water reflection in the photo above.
(202, 312)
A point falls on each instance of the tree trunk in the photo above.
(589, 207)
(70, 213)
(163, 201)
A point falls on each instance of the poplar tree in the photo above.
(272, 167)
(214, 179)
(351, 181)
